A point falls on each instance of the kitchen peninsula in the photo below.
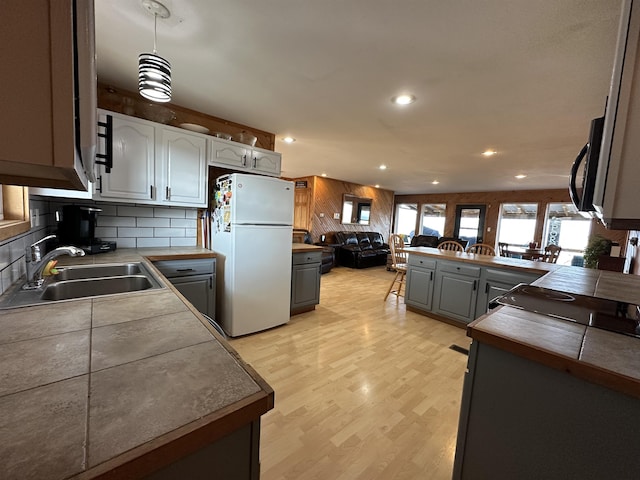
(126, 386)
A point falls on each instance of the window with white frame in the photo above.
(517, 223)
(432, 219)
(565, 227)
(405, 223)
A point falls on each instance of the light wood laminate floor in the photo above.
(363, 388)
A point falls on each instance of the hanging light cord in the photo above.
(155, 33)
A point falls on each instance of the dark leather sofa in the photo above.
(361, 249)
(433, 241)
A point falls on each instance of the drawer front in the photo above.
(420, 261)
(460, 269)
(182, 268)
(302, 258)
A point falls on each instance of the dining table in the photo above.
(526, 253)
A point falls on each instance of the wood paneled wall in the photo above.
(131, 103)
(493, 200)
(324, 197)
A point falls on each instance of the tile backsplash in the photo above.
(130, 225)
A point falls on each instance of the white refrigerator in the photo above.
(252, 226)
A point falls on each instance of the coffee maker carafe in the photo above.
(77, 227)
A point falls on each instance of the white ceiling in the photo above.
(522, 77)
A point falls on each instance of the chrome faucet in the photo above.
(36, 263)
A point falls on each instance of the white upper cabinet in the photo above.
(153, 164)
(225, 153)
(184, 163)
(131, 176)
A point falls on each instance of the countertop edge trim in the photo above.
(585, 371)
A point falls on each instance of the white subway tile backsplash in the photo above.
(153, 242)
(135, 232)
(126, 211)
(169, 212)
(116, 221)
(168, 232)
(183, 242)
(183, 222)
(190, 232)
(153, 222)
(122, 242)
(191, 213)
(102, 232)
(107, 209)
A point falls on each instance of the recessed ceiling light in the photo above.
(288, 139)
(489, 153)
(382, 167)
(323, 175)
(404, 99)
(435, 182)
(377, 186)
(521, 176)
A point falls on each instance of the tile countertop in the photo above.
(485, 260)
(596, 355)
(304, 247)
(94, 386)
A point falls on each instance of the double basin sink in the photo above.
(83, 281)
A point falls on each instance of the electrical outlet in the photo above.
(336, 216)
(321, 215)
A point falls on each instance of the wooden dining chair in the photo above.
(551, 253)
(503, 248)
(399, 264)
(451, 246)
(482, 249)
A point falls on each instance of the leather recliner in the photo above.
(361, 249)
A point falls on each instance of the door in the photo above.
(185, 168)
(419, 292)
(260, 200)
(199, 290)
(132, 174)
(226, 154)
(469, 223)
(265, 161)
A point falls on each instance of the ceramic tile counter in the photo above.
(602, 357)
(484, 260)
(117, 386)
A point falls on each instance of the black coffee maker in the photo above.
(77, 228)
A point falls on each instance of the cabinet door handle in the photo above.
(244, 160)
(184, 269)
(99, 188)
(255, 162)
(431, 276)
(486, 287)
(168, 194)
(210, 283)
(475, 282)
(106, 158)
(151, 190)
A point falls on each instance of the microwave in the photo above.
(610, 165)
(585, 169)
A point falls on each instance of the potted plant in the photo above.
(598, 245)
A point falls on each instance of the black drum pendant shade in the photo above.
(154, 72)
(154, 77)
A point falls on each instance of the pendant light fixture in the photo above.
(154, 72)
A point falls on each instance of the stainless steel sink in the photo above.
(82, 281)
(96, 271)
(91, 287)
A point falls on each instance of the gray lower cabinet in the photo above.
(195, 279)
(523, 420)
(305, 281)
(456, 290)
(419, 285)
(495, 282)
